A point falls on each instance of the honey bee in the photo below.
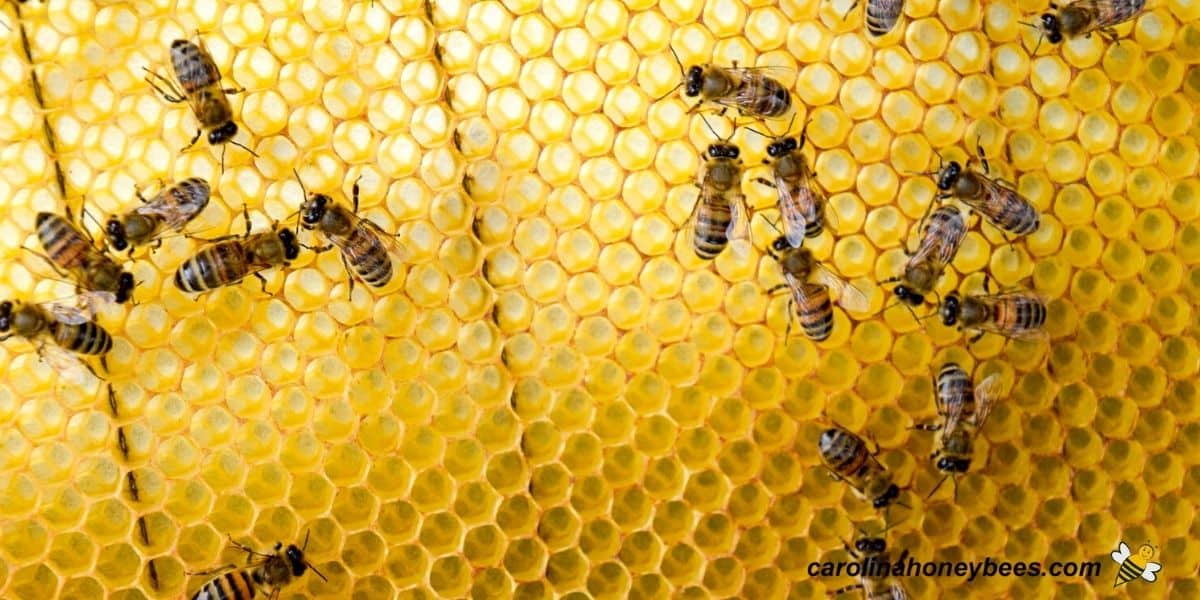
(265, 574)
(750, 90)
(198, 82)
(962, 412)
(228, 260)
(367, 251)
(718, 215)
(848, 459)
(1083, 17)
(1132, 568)
(1012, 314)
(875, 565)
(61, 333)
(811, 302)
(942, 236)
(801, 203)
(69, 249)
(993, 198)
(171, 209)
(881, 15)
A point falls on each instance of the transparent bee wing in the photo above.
(954, 417)
(85, 306)
(849, 296)
(739, 222)
(394, 248)
(986, 394)
(795, 226)
(65, 362)
(897, 592)
(1121, 553)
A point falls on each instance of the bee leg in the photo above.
(976, 337)
(112, 401)
(982, 157)
(764, 181)
(244, 548)
(833, 475)
(853, 6)
(174, 96)
(847, 589)
(926, 427)
(195, 139)
(791, 307)
(236, 90)
(350, 274)
(354, 189)
(262, 282)
(207, 572)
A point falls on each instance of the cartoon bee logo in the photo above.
(1134, 566)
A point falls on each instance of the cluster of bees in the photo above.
(720, 216)
(63, 331)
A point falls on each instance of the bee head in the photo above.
(888, 497)
(950, 309)
(291, 247)
(947, 464)
(870, 545)
(6, 315)
(314, 209)
(125, 285)
(295, 558)
(780, 244)
(1052, 27)
(695, 78)
(1146, 551)
(116, 234)
(723, 151)
(222, 134)
(948, 175)
(909, 296)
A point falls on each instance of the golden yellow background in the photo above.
(603, 415)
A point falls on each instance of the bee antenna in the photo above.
(243, 147)
(677, 61)
(300, 181)
(710, 128)
(753, 130)
(306, 534)
(314, 570)
(935, 488)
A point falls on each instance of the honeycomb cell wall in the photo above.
(554, 397)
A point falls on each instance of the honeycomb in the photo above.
(557, 398)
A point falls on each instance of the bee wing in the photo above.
(739, 222)
(795, 226)
(1121, 553)
(954, 416)
(173, 216)
(398, 253)
(1023, 334)
(1149, 573)
(65, 362)
(86, 305)
(1106, 13)
(849, 296)
(986, 394)
(897, 592)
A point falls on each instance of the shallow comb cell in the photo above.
(554, 395)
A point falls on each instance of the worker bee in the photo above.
(995, 199)
(228, 260)
(198, 82)
(171, 209)
(367, 251)
(69, 249)
(875, 565)
(719, 213)
(1012, 314)
(801, 203)
(265, 574)
(943, 234)
(750, 90)
(1082, 17)
(60, 332)
(1132, 568)
(882, 15)
(810, 300)
(848, 459)
(962, 412)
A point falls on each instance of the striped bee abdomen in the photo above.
(882, 15)
(815, 312)
(712, 229)
(83, 338)
(64, 245)
(220, 264)
(193, 68)
(371, 260)
(1020, 313)
(234, 585)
